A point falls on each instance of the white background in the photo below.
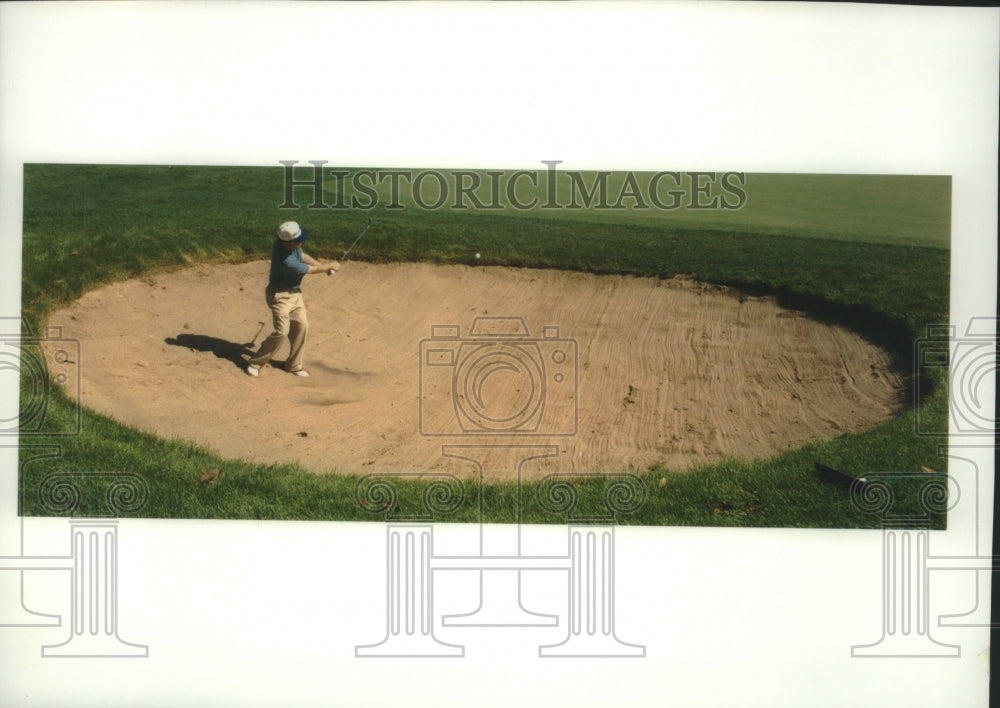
(269, 613)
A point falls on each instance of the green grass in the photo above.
(867, 252)
(894, 209)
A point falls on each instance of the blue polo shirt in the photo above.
(287, 268)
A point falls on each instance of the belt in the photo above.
(283, 290)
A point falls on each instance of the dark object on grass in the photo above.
(209, 475)
(840, 479)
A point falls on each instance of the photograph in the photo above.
(490, 354)
(717, 349)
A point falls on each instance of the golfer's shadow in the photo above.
(230, 351)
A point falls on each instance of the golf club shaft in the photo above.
(254, 340)
(351, 247)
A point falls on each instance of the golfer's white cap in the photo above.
(292, 233)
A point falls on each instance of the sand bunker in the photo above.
(612, 373)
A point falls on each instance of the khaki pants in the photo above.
(288, 310)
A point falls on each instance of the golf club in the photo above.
(351, 248)
(254, 340)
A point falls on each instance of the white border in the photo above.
(262, 614)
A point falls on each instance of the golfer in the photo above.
(284, 296)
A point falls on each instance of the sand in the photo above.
(564, 371)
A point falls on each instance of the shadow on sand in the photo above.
(230, 351)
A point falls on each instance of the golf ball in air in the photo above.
(477, 255)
